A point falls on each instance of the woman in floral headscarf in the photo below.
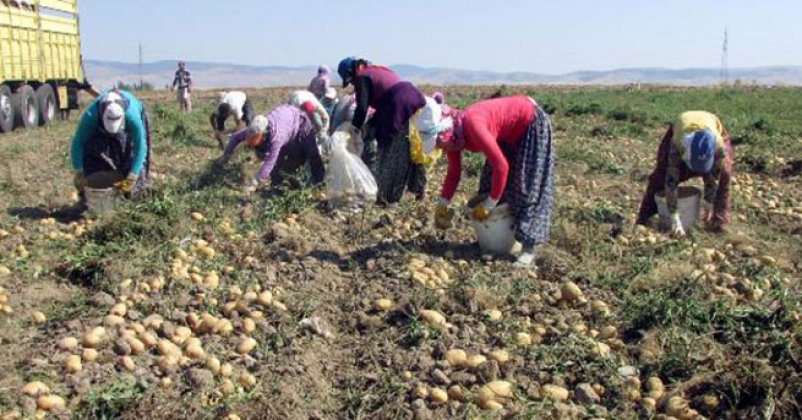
(514, 134)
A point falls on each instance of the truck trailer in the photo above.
(41, 70)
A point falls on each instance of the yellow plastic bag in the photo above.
(416, 146)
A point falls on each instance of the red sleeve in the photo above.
(452, 175)
(477, 134)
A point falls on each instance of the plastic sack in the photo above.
(349, 182)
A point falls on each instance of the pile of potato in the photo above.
(430, 274)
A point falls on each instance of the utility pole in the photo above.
(725, 59)
(141, 80)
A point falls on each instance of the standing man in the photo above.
(183, 80)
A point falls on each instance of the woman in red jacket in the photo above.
(514, 134)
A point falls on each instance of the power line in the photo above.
(725, 59)
(141, 77)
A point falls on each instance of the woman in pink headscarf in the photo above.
(321, 83)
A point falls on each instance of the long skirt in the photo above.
(529, 192)
(395, 171)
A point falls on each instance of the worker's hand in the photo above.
(79, 179)
(127, 185)
(443, 216)
(476, 200)
(484, 210)
(324, 142)
(220, 162)
(707, 213)
(676, 226)
(250, 186)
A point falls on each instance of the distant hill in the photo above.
(219, 75)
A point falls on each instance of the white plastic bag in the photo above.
(349, 182)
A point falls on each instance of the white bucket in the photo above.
(100, 201)
(497, 233)
(688, 203)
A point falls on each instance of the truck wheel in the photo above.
(26, 110)
(6, 110)
(46, 100)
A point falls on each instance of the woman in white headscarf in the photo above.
(111, 146)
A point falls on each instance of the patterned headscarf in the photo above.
(452, 140)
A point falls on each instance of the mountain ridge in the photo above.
(210, 75)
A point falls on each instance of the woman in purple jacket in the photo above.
(395, 102)
(285, 140)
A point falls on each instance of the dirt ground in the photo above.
(219, 304)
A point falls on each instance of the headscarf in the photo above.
(452, 140)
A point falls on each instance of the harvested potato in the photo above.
(73, 364)
(500, 356)
(196, 216)
(475, 360)
(554, 392)
(68, 344)
(456, 357)
(571, 292)
(50, 402)
(438, 396)
(89, 355)
(35, 388)
(38, 317)
(433, 318)
(382, 305)
(246, 345)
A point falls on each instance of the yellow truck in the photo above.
(40, 61)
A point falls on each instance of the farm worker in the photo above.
(696, 145)
(111, 146)
(307, 102)
(230, 104)
(441, 100)
(514, 134)
(321, 83)
(284, 140)
(183, 83)
(396, 101)
(330, 101)
(344, 111)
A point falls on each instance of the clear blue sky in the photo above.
(504, 35)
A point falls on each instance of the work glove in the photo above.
(79, 179)
(443, 216)
(483, 210)
(250, 186)
(127, 185)
(676, 226)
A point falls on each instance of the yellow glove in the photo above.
(443, 215)
(127, 185)
(483, 210)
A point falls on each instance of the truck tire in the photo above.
(26, 110)
(6, 110)
(46, 100)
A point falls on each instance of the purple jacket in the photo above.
(287, 126)
(321, 82)
(382, 80)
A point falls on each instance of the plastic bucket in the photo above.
(497, 233)
(100, 201)
(688, 203)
